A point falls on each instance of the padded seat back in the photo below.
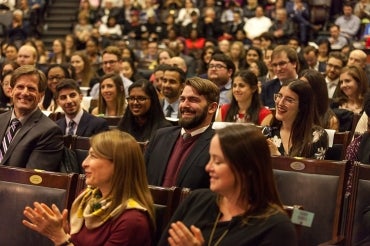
(360, 200)
(318, 187)
(20, 188)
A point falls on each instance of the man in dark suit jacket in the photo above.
(285, 63)
(177, 156)
(38, 140)
(69, 97)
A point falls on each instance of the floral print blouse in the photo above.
(320, 141)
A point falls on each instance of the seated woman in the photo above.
(5, 92)
(242, 206)
(85, 73)
(358, 149)
(115, 206)
(144, 115)
(111, 100)
(325, 116)
(353, 86)
(245, 104)
(293, 132)
(54, 74)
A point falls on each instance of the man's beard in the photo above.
(192, 123)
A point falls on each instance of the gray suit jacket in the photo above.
(192, 174)
(89, 125)
(38, 143)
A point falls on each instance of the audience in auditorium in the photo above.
(242, 205)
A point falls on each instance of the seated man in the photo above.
(76, 121)
(177, 156)
(29, 138)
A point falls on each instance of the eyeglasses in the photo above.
(278, 97)
(216, 66)
(281, 64)
(329, 65)
(111, 62)
(138, 99)
(55, 77)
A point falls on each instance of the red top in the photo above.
(195, 44)
(261, 115)
(132, 227)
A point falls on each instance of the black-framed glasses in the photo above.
(51, 78)
(138, 99)
(216, 66)
(288, 100)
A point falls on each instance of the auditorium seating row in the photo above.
(320, 187)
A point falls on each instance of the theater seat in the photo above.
(20, 188)
(316, 185)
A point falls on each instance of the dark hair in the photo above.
(324, 41)
(253, 173)
(249, 78)
(179, 71)
(4, 100)
(367, 104)
(301, 133)
(132, 65)
(322, 112)
(67, 84)
(154, 115)
(14, 64)
(48, 93)
(225, 59)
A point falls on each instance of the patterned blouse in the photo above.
(319, 141)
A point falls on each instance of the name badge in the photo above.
(302, 217)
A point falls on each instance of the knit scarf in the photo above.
(90, 209)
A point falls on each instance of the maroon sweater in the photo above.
(132, 227)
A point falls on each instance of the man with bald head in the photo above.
(27, 55)
(178, 61)
(359, 58)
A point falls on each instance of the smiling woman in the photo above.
(115, 206)
(292, 131)
(144, 115)
(111, 96)
(241, 206)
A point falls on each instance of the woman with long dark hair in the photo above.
(293, 131)
(144, 114)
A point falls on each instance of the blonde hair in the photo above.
(129, 178)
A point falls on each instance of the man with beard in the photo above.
(172, 85)
(76, 121)
(221, 71)
(176, 156)
(334, 65)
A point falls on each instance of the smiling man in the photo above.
(172, 85)
(76, 121)
(177, 156)
(29, 138)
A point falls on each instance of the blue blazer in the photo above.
(38, 143)
(88, 126)
(192, 174)
(267, 93)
